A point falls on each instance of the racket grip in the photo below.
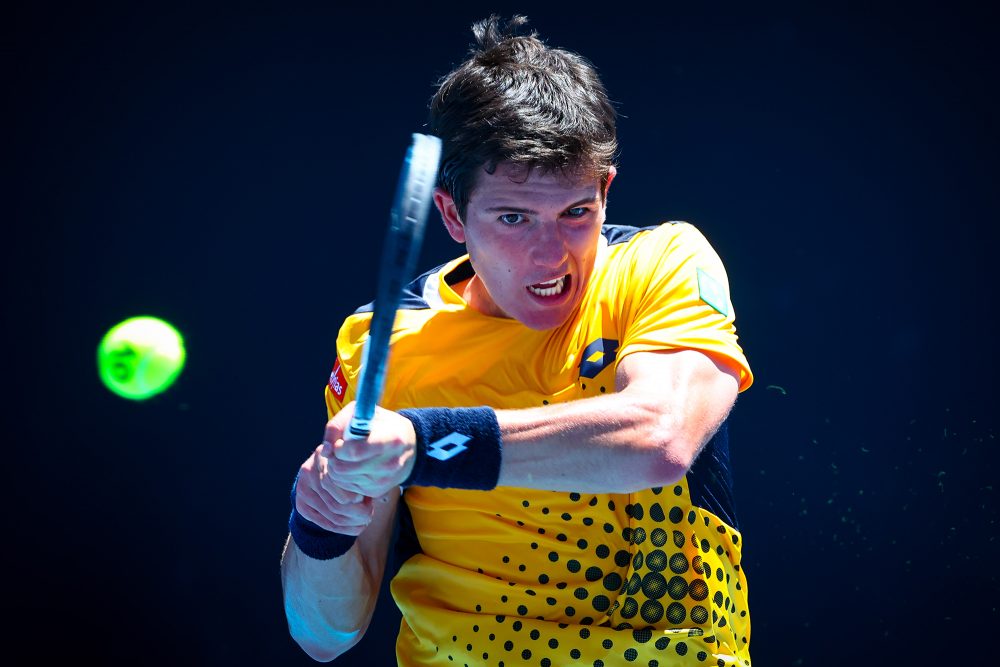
(360, 429)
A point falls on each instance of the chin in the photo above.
(545, 321)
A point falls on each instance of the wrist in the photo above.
(457, 448)
(314, 541)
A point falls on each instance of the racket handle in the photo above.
(369, 389)
(359, 428)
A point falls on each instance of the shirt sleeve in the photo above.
(677, 297)
(341, 385)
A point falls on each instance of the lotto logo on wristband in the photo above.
(450, 445)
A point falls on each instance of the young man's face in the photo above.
(532, 242)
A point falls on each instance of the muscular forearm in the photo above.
(601, 445)
(646, 435)
(328, 603)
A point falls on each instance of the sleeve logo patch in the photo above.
(338, 383)
(711, 292)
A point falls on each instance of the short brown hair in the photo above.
(518, 100)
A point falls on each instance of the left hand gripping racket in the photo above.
(407, 221)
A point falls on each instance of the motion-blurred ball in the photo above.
(140, 357)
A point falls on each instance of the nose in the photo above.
(549, 247)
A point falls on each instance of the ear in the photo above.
(449, 214)
(612, 172)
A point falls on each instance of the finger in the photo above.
(385, 464)
(339, 500)
(320, 491)
(332, 486)
(359, 450)
(324, 465)
(332, 516)
(349, 477)
(365, 485)
(371, 485)
(327, 480)
(353, 485)
(311, 500)
(317, 464)
(354, 521)
(337, 426)
(347, 525)
(343, 496)
(326, 449)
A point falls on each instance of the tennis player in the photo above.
(552, 443)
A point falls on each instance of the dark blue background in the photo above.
(230, 170)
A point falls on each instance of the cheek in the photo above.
(495, 254)
(583, 244)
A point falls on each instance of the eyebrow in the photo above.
(529, 211)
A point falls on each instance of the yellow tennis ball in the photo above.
(140, 357)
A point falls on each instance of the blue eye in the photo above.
(577, 211)
(511, 218)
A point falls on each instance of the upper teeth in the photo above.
(550, 288)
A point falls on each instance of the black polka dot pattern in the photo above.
(587, 579)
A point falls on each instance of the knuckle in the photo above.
(347, 450)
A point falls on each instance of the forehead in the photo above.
(511, 183)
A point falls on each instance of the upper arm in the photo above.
(691, 392)
(676, 298)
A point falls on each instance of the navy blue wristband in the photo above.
(457, 448)
(314, 541)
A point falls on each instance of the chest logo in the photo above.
(597, 356)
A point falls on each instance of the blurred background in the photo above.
(230, 168)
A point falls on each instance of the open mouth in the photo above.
(550, 288)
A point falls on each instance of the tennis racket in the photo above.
(407, 221)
